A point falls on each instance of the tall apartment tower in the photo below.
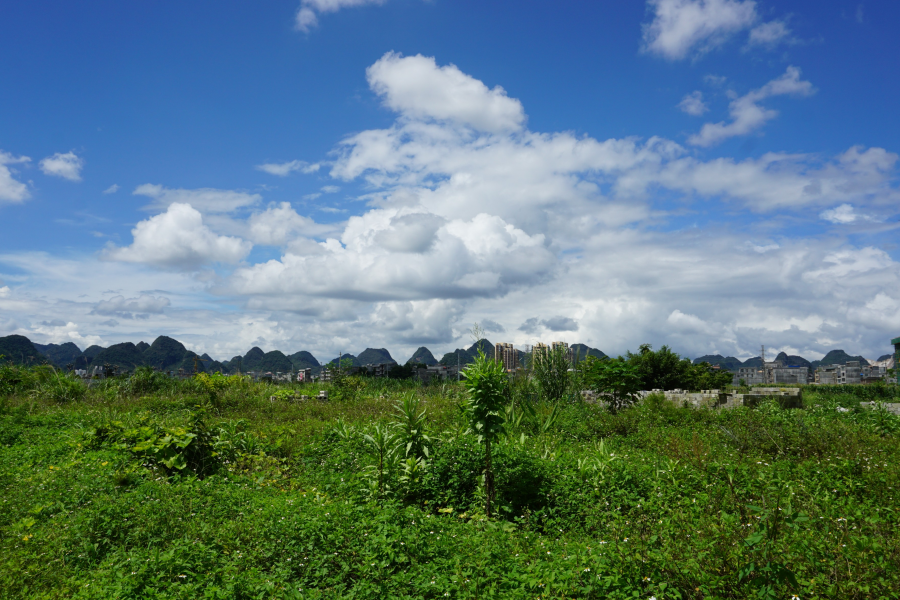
(507, 355)
(541, 350)
(566, 349)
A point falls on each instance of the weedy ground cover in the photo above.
(155, 488)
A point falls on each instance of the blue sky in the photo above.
(329, 175)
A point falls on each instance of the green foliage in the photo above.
(180, 448)
(551, 373)
(653, 500)
(487, 384)
(214, 385)
(666, 370)
(41, 383)
(618, 380)
(410, 425)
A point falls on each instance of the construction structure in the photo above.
(437, 372)
(771, 373)
(508, 356)
(539, 351)
(852, 372)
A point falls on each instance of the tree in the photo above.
(486, 383)
(663, 369)
(616, 378)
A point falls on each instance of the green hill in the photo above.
(837, 357)
(581, 351)
(91, 351)
(424, 356)
(726, 362)
(214, 366)
(275, 361)
(126, 356)
(756, 361)
(18, 349)
(304, 360)
(142, 346)
(353, 360)
(251, 361)
(485, 345)
(187, 363)
(450, 358)
(375, 356)
(60, 354)
(792, 361)
(164, 353)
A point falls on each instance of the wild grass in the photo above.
(654, 500)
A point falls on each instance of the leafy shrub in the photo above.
(453, 477)
(144, 381)
(187, 448)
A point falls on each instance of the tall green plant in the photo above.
(486, 383)
(410, 427)
(384, 442)
(550, 370)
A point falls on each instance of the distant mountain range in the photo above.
(168, 354)
(835, 357)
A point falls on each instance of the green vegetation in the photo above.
(218, 487)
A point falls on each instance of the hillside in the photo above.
(164, 353)
(726, 362)
(792, 361)
(91, 351)
(60, 354)
(304, 360)
(375, 356)
(213, 366)
(353, 360)
(18, 349)
(423, 356)
(275, 361)
(252, 360)
(582, 351)
(125, 356)
(838, 357)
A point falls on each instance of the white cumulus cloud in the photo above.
(417, 88)
(11, 190)
(280, 224)
(679, 26)
(746, 112)
(178, 238)
(66, 165)
(843, 215)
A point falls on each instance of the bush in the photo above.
(454, 477)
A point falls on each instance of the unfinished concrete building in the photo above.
(771, 373)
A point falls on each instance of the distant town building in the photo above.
(437, 372)
(771, 373)
(852, 372)
(379, 370)
(542, 350)
(507, 355)
(304, 375)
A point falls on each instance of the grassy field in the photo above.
(152, 488)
